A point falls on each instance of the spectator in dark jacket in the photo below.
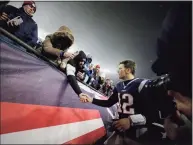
(74, 66)
(20, 23)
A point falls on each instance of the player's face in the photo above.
(122, 71)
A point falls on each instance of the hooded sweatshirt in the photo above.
(57, 42)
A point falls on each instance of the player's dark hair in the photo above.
(129, 64)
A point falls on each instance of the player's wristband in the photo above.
(137, 119)
(62, 54)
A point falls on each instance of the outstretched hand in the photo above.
(84, 98)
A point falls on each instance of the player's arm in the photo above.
(70, 71)
(113, 99)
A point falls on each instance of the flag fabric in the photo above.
(38, 106)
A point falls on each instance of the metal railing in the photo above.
(32, 50)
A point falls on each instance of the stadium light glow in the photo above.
(105, 70)
(42, 33)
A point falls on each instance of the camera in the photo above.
(156, 91)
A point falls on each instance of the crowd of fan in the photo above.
(91, 75)
(54, 47)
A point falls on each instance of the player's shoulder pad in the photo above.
(136, 81)
(142, 84)
(160, 81)
(118, 84)
(154, 83)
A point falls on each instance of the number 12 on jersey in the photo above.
(125, 103)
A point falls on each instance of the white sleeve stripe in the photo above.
(70, 70)
(141, 85)
(157, 124)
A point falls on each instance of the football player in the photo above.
(133, 110)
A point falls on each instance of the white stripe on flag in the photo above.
(52, 135)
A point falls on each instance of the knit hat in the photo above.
(32, 3)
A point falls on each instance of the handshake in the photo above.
(84, 98)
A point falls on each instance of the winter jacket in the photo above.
(26, 31)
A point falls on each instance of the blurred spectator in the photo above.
(96, 80)
(103, 77)
(181, 134)
(107, 88)
(86, 75)
(111, 82)
(55, 45)
(20, 23)
(91, 67)
(88, 66)
(183, 103)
